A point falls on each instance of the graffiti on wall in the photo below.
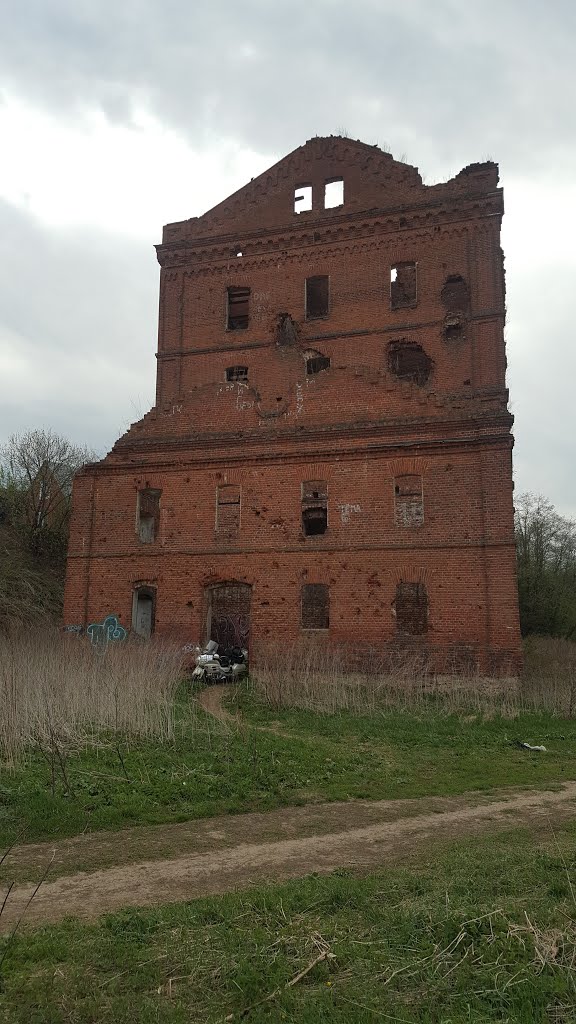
(346, 511)
(103, 633)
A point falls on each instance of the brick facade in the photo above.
(331, 410)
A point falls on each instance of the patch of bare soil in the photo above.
(210, 699)
(222, 854)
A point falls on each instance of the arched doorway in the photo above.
(143, 611)
(228, 614)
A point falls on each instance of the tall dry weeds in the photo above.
(56, 689)
(320, 680)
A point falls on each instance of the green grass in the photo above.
(205, 771)
(445, 941)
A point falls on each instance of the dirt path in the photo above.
(236, 852)
(210, 699)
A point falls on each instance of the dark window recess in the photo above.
(455, 294)
(316, 363)
(238, 309)
(302, 198)
(316, 297)
(411, 607)
(148, 514)
(315, 606)
(402, 285)
(228, 510)
(314, 507)
(236, 373)
(408, 361)
(408, 501)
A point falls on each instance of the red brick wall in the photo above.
(355, 425)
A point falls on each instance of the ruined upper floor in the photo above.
(325, 179)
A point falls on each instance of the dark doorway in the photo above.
(228, 620)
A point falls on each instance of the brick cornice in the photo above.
(341, 440)
(192, 254)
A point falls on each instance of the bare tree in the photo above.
(38, 469)
(546, 550)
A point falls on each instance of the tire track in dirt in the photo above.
(222, 869)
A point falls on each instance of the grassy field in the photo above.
(482, 932)
(204, 769)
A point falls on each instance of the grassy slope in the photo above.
(224, 954)
(205, 771)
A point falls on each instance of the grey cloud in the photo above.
(448, 81)
(77, 330)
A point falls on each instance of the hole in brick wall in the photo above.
(286, 330)
(236, 373)
(148, 514)
(302, 198)
(315, 611)
(238, 308)
(408, 361)
(408, 501)
(455, 294)
(454, 329)
(317, 297)
(333, 193)
(316, 362)
(314, 508)
(411, 608)
(228, 509)
(402, 285)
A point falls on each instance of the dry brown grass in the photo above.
(319, 680)
(57, 689)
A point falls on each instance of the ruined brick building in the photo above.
(329, 455)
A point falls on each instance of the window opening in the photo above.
(236, 373)
(148, 514)
(238, 308)
(315, 606)
(316, 363)
(334, 193)
(317, 300)
(228, 510)
(455, 294)
(408, 361)
(402, 285)
(314, 508)
(408, 501)
(302, 198)
(143, 611)
(411, 607)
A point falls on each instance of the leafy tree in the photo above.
(546, 551)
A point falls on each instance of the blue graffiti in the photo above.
(101, 633)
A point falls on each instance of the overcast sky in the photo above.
(118, 116)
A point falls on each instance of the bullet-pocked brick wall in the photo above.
(361, 425)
